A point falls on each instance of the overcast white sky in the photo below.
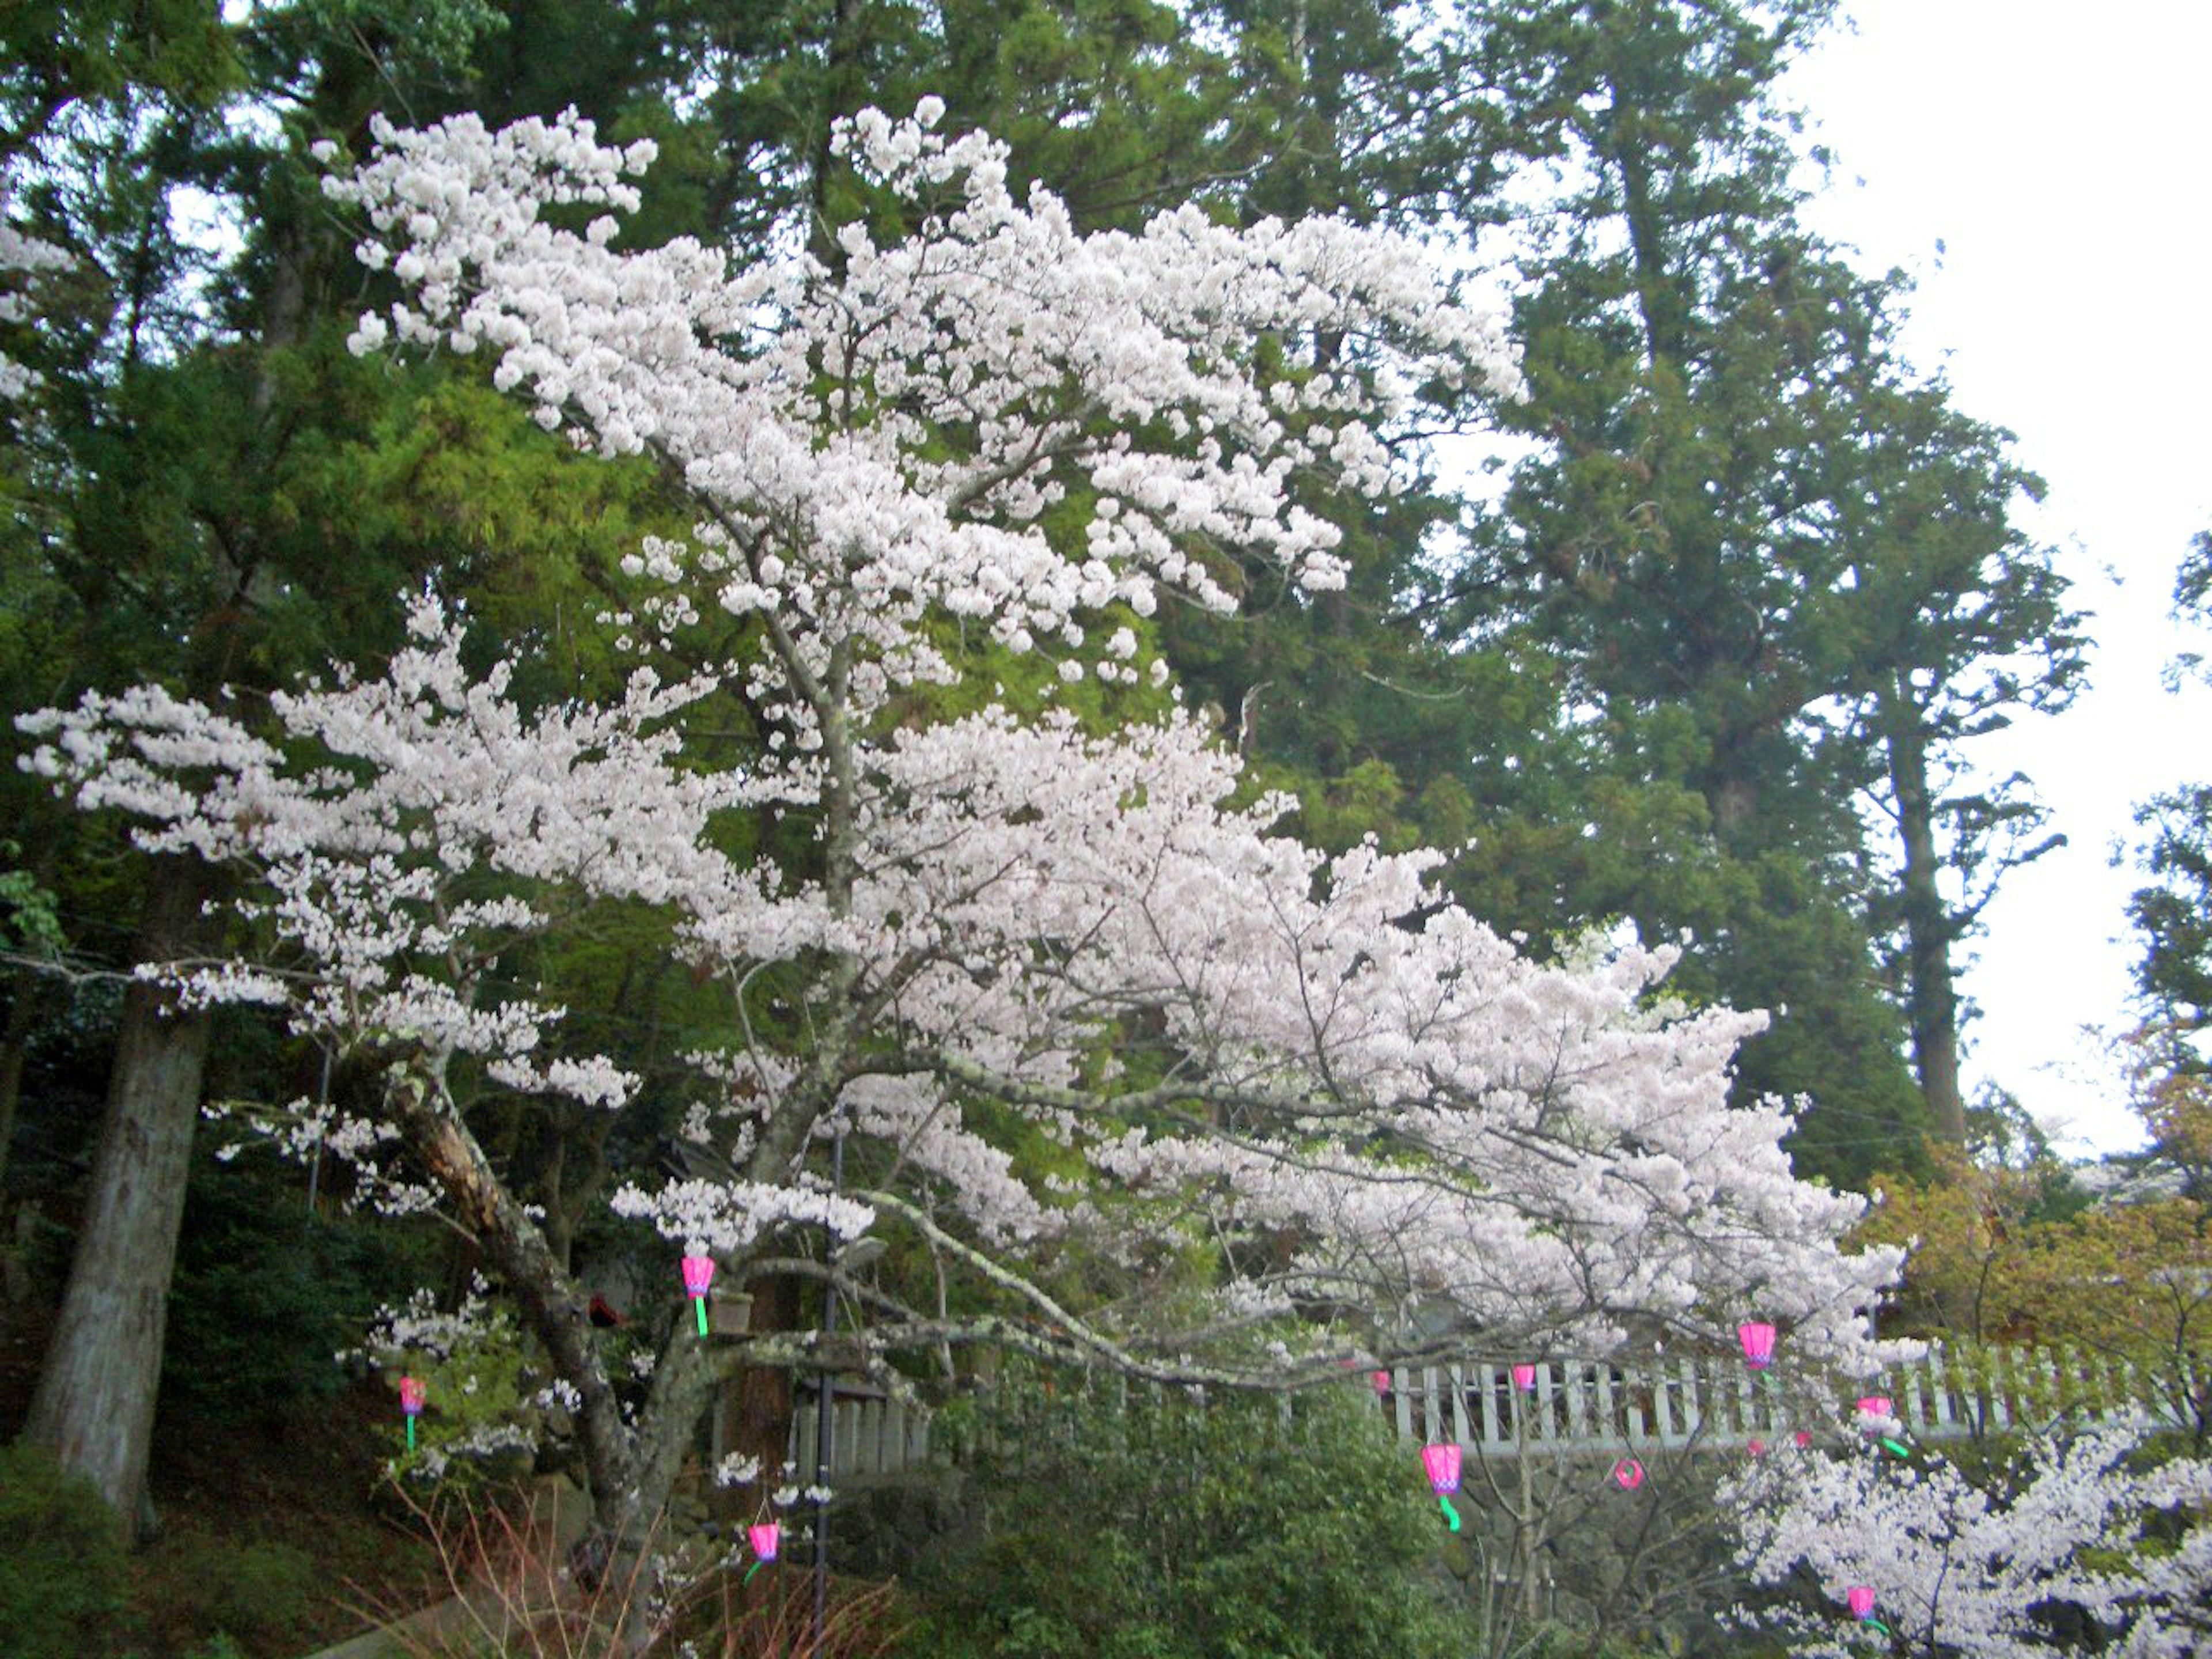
(2057, 150)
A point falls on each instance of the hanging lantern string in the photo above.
(1756, 1336)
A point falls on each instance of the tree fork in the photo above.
(556, 1310)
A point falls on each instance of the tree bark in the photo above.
(95, 1405)
(1931, 992)
(15, 1050)
(753, 1416)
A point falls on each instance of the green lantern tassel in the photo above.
(1876, 1624)
(411, 1433)
(749, 1572)
(1450, 1514)
(699, 1307)
(1901, 1450)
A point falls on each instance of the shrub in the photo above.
(199, 1586)
(263, 1294)
(263, 1594)
(1150, 1527)
(63, 1561)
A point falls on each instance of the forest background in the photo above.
(1714, 662)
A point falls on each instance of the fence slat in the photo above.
(1577, 1430)
(1909, 1390)
(1588, 1407)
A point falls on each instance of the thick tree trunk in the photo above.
(1931, 993)
(95, 1405)
(753, 1417)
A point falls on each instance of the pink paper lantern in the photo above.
(764, 1538)
(1804, 1438)
(1628, 1473)
(1442, 1463)
(1757, 1339)
(1524, 1378)
(698, 1274)
(1860, 1598)
(1382, 1382)
(411, 1396)
(1875, 1405)
(1757, 1448)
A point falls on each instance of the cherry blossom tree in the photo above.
(2084, 1534)
(1398, 1134)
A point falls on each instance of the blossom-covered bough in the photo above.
(2077, 1532)
(1397, 1133)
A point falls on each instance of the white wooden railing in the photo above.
(1586, 1408)
(871, 1433)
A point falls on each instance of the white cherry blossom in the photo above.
(1961, 1567)
(1397, 1133)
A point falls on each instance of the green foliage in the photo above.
(1767, 572)
(473, 1429)
(2173, 910)
(1158, 1527)
(1561, 1643)
(54, 53)
(28, 922)
(62, 1560)
(1156, 126)
(264, 1295)
(259, 1596)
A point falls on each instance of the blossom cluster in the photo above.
(23, 259)
(1378, 1108)
(1958, 1568)
(1434, 1115)
(373, 862)
(879, 443)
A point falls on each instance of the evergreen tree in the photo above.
(1961, 624)
(2172, 911)
(1756, 626)
(191, 512)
